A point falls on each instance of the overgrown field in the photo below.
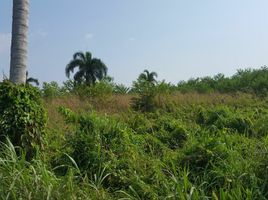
(192, 146)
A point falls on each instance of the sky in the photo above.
(178, 39)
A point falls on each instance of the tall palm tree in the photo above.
(19, 42)
(89, 69)
(148, 76)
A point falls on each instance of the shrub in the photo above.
(139, 122)
(101, 90)
(170, 132)
(51, 90)
(22, 116)
(68, 86)
(212, 116)
(145, 102)
(222, 117)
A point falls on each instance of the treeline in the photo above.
(245, 80)
(254, 81)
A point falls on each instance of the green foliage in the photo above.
(151, 94)
(165, 88)
(146, 90)
(144, 103)
(148, 77)
(23, 118)
(248, 80)
(204, 156)
(170, 132)
(21, 179)
(51, 90)
(121, 89)
(185, 151)
(68, 86)
(224, 118)
(89, 69)
(159, 155)
(101, 91)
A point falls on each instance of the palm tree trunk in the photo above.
(19, 42)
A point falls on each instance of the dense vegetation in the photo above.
(253, 81)
(150, 141)
(248, 80)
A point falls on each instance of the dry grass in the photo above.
(118, 104)
(212, 98)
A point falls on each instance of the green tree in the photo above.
(89, 69)
(19, 42)
(149, 77)
(145, 87)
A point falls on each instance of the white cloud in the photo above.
(5, 42)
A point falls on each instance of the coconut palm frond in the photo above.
(31, 79)
(148, 76)
(79, 55)
(78, 77)
(72, 65)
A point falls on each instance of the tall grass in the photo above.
(209, 146)
(20, 179)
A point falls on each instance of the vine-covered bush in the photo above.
(22, 116)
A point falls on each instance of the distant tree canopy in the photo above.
(89, 71)
(92, 71)
(245, 80)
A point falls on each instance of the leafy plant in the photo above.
(145, 102)
(121, 89)
(51, 90)
(23, 118)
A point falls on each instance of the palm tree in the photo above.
(19, 42)
(89, 69)
(121, 89)
(31, 79)
(148, 77)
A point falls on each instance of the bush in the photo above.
(51, 90)
(101, 90)
(22, 116)
(145, 102)
(222, 117)
(170, 132)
